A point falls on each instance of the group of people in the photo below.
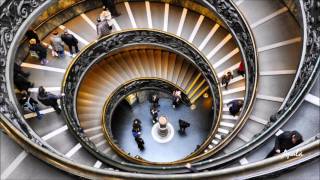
(154, 109)
(136, 132)
(46, 98)
(57, 42)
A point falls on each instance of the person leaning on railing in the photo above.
(285, 141)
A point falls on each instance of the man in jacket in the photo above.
(39, 49)
(235, 106)
(48, 99)
(71, 42)
(30, 104)
(285, 141)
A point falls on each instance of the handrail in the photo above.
(98, 50)
(39, 11)
(306, 76)
(257, 169)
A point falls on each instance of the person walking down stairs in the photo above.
(226, 79)
(285, 141)
(49, 99)
(29, 104)
(71, 42)
(57, 45)
(235, 106)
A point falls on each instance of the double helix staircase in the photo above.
(279, 44)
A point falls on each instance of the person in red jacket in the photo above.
(241, 69)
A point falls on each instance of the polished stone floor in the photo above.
(180, 146)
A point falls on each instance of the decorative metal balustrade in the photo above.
(131, 87)
(97, 51)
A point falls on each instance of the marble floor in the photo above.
(180, 146)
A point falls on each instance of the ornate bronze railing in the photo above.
(134, 85)
(99, 50)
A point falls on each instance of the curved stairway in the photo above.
(279, 56)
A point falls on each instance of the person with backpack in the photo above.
(48, 99)
(30, 104)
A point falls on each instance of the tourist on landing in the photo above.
(109, 4)
(226, 79)
(241, 69)
(285, 141)
(103, 28)
(71, 42)
(155, 101)
(29, 104)
(49, 99)
(31, 34)
(235, 106)
(176, 98)
(39, 49)
(140, 143)
(136, 125)
(57, 45)
(154, 113)
(183, 125)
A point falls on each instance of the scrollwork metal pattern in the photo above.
(98, 50)
(13, 14)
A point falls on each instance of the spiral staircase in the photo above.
(186, 44)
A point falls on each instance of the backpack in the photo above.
(28, 106)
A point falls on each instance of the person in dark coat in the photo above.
(226, 79)
(235, 106)
(48, 99)
(103, 28)
(285, 141)
(154, 113)
(31, 34)
(30, 104)
(183, 125)
(109, 4)
(70, 41)
(155, 101)
(40, 50)
(140, 143)
(21, 82)
(176, 98)
(17, 70)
